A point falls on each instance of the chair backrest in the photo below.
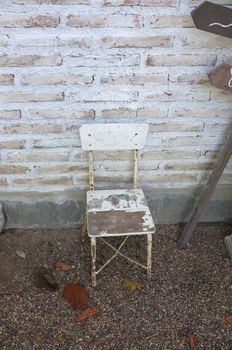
(112, 136)
(100, 137)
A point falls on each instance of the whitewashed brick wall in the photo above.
(68, 62)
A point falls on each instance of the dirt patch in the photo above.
(190, 292)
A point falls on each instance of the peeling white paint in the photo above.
(130, 201)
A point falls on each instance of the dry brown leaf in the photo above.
(192, 341)
(90, 311)
(228, 319)
(76, 294)
(131, 285)
(60, 265)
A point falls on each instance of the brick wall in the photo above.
(68, 62)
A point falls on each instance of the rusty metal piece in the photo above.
(84, 228)
(91, 171)
(113, 256)
(149, 256)
(93, 255)
(136, 181)
(121, 254)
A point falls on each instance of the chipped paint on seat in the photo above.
(118, 213)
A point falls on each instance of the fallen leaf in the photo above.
(76, 294)
(20, 253)
(46, 279)
(192, 341)
(90, 311)
(60, 265)
(228, 319)
(131, 285)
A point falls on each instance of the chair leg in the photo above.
(149, 257)
(93, 255)
(84, 229)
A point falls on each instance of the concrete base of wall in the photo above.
(66, 209)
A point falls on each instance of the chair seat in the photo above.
(118, 213)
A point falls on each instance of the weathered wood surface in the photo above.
(113, 136)
(118, 212)
(206, 194)
(213, 18)
(221, 77)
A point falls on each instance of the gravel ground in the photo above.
(190, 293)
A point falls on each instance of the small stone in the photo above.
(20, 253)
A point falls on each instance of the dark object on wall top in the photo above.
(221, 77)
(213, 18)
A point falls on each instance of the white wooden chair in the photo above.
(119, 212)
